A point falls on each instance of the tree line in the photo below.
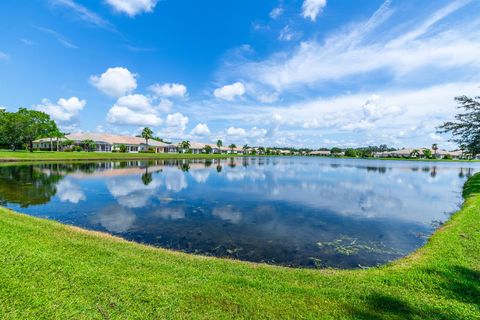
(19, 129)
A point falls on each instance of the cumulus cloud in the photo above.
(177, 120)
(115, 82)
(200, 129)
(138, 109)
(312, 8)
(175, 125)
(115, 219)
(67, 191)
(132, 7)
(229, 92)
(64, 110)
(169, 90)
(236, 132)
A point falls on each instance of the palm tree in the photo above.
(415, 153)
(184, 145)
(232, 146)
(147, 134)
(245, 148)
(435, 148)
(219, 145)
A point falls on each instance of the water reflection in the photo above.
(290, 211)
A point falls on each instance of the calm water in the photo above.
(308, 212)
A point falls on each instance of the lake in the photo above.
(291, 211)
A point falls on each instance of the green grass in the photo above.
(74, 156)
(52, 271)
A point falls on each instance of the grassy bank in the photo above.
(74, 156)
(52, 271)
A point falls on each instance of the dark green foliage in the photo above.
(350, 153)
(24, 126)
(466, 130)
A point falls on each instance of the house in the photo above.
(107, 143)
(321, 153)
(412, 153)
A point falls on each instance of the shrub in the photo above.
(147, 151)
(447, 157)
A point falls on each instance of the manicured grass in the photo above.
(53, 271)
(73, 156)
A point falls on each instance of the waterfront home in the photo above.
(419, 153)
(106, 143)
(199, 148)
(320, 153)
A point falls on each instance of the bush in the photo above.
(147, 151)
(77, 149)
(122, 148)
(447, 157)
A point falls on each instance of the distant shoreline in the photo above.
(43, 156)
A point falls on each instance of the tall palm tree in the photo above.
(245, 148)
(184, 145)
(147, 134)
(435, 148)
(232, 146)
(219, 145)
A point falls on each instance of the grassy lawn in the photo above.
(52, 271)
(66, 156)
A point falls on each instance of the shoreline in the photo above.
(90, 269)
(47, 156)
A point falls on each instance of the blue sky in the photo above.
(308, 73)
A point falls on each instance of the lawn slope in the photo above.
(53, 271)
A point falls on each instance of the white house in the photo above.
(107, 143)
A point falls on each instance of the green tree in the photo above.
(245, 148)
(466, 129)
(147, 134)
(351, 153)
(31, 125)
(122, 148)
(415, 153)
(336, 150)
(232, 146)
(219, 144)
(184, 145)
(427, 153)
(88, 145)
(208, 149)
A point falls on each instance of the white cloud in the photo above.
(133, 7)
(138, 109)
(276, 12)
(123, 115)
(177, 120)
(67, 191)
(115, 82)
(64, 110)
(358, 50)
(229, 92)
(312, 8)
(236, 132)
(200, 129)
(115, 219)
(169, 90)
